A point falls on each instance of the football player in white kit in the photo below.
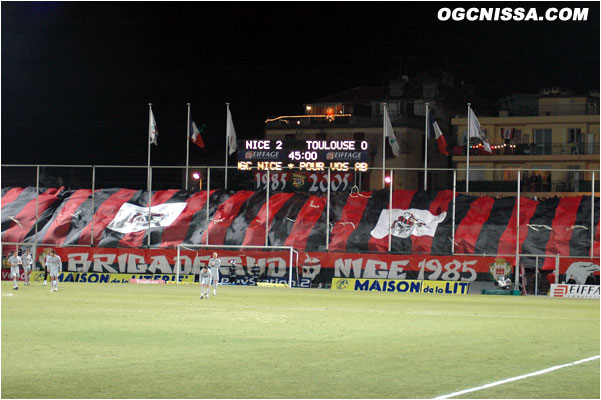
(54, 265)
(14, 261)
(27, 263)
(214, 264)
(204, 280)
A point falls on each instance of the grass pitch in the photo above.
(162, 341)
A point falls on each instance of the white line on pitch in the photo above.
(459, 314)
(436, 313)
(516, 378)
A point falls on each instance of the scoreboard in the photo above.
(308, 155)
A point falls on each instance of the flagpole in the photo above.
(148, 170)
(226, 142)
(188, 147)
(149, 128)
(390, 213)
(426, 151)
(467, 165)
(384, 146)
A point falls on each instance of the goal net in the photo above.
(241, 265)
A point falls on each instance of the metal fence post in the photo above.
(592, 215)
(93, 205)
(328, 213)
(37, 200)
(453, 219)
(208, 190)
(517, 232)
(267, 211)
(536, 279)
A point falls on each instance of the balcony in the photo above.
(542, 149)
(526, 188)
(340, 121)
(553, 109)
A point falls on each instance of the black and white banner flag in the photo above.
(133, 218)
(406, 223)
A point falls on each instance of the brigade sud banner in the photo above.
(309, 268)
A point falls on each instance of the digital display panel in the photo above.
(308, 155)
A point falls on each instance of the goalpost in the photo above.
(292, 256)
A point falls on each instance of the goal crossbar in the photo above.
(293, 254)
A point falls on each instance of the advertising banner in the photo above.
(575, 291)
(310, 269)
(95, 277)
(7, 277)
(400, 286)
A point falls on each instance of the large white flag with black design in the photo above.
(406, 223)
(133, 218)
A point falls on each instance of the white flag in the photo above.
(153, 133)
(133, 218)
(230, 132)
(389, 133)
(474, 130)
(406, 223)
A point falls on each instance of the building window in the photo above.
(543, 141)
(574, 135)
(419, 109)
(574, 176)
(576, 141)
(510, 173)
(517, 137)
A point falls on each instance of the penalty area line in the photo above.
(517, 378)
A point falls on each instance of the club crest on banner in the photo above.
(133, 218)
(500, 268)
(298, 180)
(311, 267)
(406, 223)
(43, 254)
(342, 284)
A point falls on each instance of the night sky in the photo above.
(77, 77)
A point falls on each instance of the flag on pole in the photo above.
(434, 132)
(389, 133)
(231, 133)
(474, 130)
(196, 138)
(153, 133)
(507, 133)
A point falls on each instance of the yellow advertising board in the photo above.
(400, 286)
(102, 277)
